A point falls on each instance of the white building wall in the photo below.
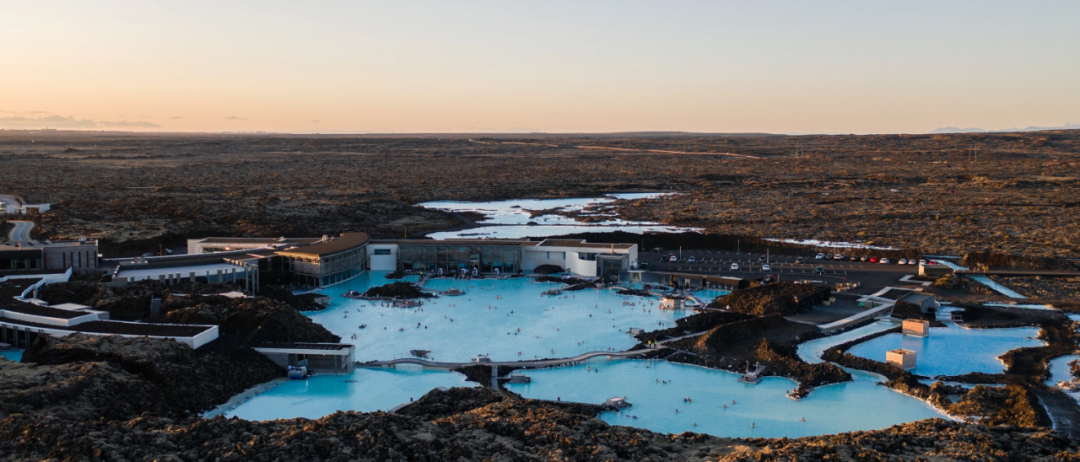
(536, 256)
(580, 267)
(382, 262)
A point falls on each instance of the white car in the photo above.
(922, 262)
(766, 267)
(911, 262)
(692, 260)
(819, 256)
(901, 262)
(673, 258)
(883, 260)
(734, 266)
(838, 257)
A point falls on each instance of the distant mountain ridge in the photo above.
(979, 130)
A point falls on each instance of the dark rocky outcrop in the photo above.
(696, 323)
(129, 303)
(402, 290)
(88, 377)
(548, 269)
(256, 320)
(783, 298)
(303, 302)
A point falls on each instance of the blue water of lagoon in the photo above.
(1059, 369)
(812, 350)
(14, 355)
(953, 350)
(459, 328)
(364, 390)
(511, 219)
(857, 405)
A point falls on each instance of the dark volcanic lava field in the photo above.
(1006, 193)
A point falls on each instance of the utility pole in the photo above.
(406, 231)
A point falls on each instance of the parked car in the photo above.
(931, 262)
(673, 258)
(734, 266)
(864, 258)
(883, 260)
(761, 258)
(766, 267)
(911, 262)
(799, 260)
(838, 257)
(691, 260)
(873, 259)
(819, 256)
(922, 262)
(854, 258)
(820, 270)
(902, 261)
(828, 256)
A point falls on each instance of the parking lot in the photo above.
(784, 267)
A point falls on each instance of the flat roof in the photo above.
(257, 240)
(338, 244)
(199, 270)
(916, 297)
(454, 241)
(122, 328)
(305, 346)
(582, 243)
(38, 245)
(38, 310)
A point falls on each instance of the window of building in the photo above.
(382, 251)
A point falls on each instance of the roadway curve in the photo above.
(21, 231)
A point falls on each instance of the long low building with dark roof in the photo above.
(501, 255)
(331, 260)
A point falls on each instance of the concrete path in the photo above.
(857, 317)
(21, 231)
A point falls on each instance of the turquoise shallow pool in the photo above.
(811, 351)
(1059, 369)
(857, 405)
(14, 355)
(364, 390)
(953, 350)
(480, 322)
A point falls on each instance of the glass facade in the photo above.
(327, 270)
(453, 257)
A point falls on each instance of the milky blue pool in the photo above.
(1059, 369)
(812, 350)
(460, 328)
(14, 355)
(364, 390)
(953, 350)
(857, 405)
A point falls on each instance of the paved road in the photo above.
(21, 231)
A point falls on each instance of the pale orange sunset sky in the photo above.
(552, 66)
